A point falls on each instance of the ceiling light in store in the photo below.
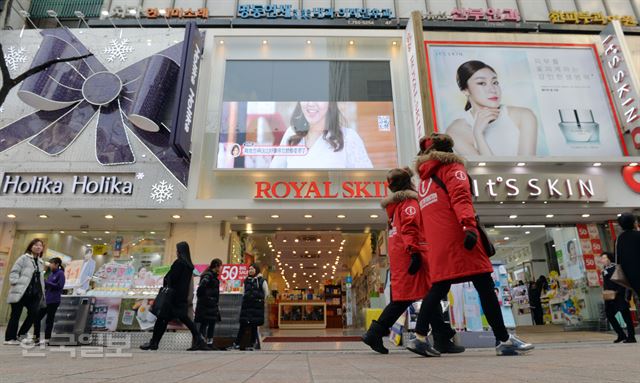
(152, 232)
(315, 264)
(597, 164)
(286, 264)
(296, 240)
(176, 216)
(308, 216)
(527, 232)
(633, 164)
(482, 164)
(88, 245)
(501, 202)
(107, 232)
(333, 240)
(549, 215)
(586, 215)
(521, 164)
(341, 216)
(505, 227)
(304, 273)
(319, 251)
(308, 42)
(324, 267)
(318, 240)
(273, 249)
(11, 215)
(317, 281)
(619, 214)
(306, 251)
(523, 202)
(284, 241)
(351, 42)
(291, 267)
(545, 202)
(84, 232)
(506, 238)
(294, 252)
(279, 252)
(61, 231)
(301, 264)
(533, 226)
(329, 251)
(275, 216)
(513, 216)
(108, 216)
(374, 216)
(264, 42)
(208, 216)
(221, 42)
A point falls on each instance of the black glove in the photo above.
(470, 237)
(416, 262)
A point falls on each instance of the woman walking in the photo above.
(179, 279)
(208, 293)
(615, 301)
(407, 258)
(26, 291)
(252, 310)
(455, 254)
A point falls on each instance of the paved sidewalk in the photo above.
(577, 362)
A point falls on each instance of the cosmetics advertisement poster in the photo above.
(524, 100)
(569, 253)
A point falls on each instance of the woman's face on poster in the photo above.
(483, 88)
(573, 255)
(314, 111)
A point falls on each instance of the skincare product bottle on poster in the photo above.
(579, 126)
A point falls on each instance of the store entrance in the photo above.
(320, 281)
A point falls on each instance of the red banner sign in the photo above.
(231, 277)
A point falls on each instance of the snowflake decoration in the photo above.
(119, 48)
(161, 191)
(15, 57)
(139, 175)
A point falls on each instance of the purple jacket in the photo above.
(53, 286)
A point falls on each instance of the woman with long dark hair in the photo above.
(456, 253)
(53, 296)
(488, 127)
(179, 279)
(26, 290)
(318, 127)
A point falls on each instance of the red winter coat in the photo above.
(443, 216)
(406, 237)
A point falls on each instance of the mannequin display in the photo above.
(88, 268)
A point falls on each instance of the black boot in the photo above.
(151, 345)
(620, 338)
(446, 345)
(373, 337)
(198, 344)
(630, 339)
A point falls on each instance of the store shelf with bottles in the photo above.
(333, 299)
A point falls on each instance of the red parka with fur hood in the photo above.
(405, 238)
(445, 214)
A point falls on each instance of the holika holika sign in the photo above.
(80, 184)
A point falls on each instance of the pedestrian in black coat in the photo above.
(208, 293)
(252, 310)
(620, 303)
(628, 250)
(179, 280)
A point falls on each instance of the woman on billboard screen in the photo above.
(488, 127)
(319, 129)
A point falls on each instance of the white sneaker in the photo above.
(13, 342)
(27, 341)
(513, 346)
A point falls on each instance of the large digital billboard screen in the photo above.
(288, 114)
(522, 99)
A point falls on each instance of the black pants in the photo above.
(33, 308)
(611, 308)
(488, 300)
(390, 315)
(243, 327)
(207, 328)
(161, 326)
(538, 315)
(50, 313)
